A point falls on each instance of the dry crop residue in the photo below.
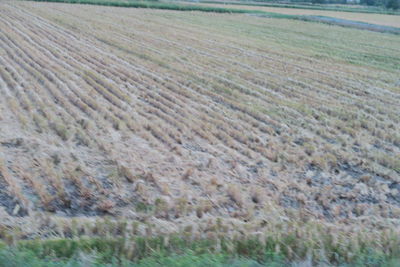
(184, 117)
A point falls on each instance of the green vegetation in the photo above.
(393, 4)
(160, 252)
(24, 258)
(389, 4)
(27, 258)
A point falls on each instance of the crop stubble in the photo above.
(196, 116)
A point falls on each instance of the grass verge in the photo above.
(172, 251)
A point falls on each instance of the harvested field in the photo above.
(378, 19)
(188, 119)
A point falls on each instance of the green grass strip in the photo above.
(174, 251)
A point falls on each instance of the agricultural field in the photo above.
(360, 8)
(371, 18)
(137, 122)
